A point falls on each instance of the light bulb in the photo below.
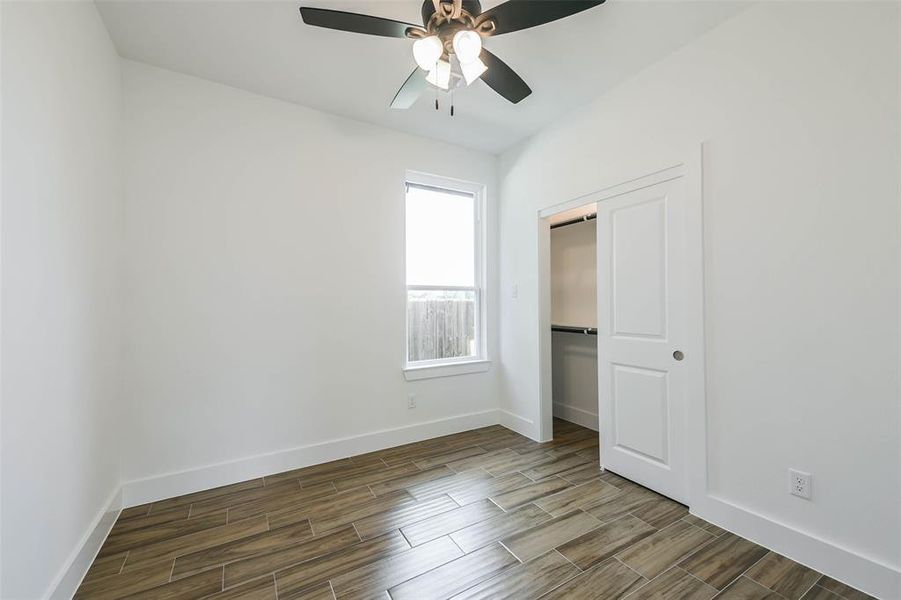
(472, 70)
(439, 76)
(467, 46)
(427, 51)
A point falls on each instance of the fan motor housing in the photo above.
(473, 7)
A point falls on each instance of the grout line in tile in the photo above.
(429, 570)
(567, 560)
(617, 559)
(695, 577)
(631, 514)
(697, 527)
(354, 525)
(490, 499)
(742, 574)
(504, 546)
(807, 591)
(682, 559)
(646, 580)
(449, 536)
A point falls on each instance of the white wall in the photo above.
(265, 301)
(574, 302)
(798, 106)
(61, 228)
(574, 287)
(574, 359)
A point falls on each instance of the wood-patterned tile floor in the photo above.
(480, 514)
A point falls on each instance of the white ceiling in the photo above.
(263, 47)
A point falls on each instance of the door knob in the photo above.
(678, 355)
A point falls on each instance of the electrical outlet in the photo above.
(411, 400)
(799, 483)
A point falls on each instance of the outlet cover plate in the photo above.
(799, 483)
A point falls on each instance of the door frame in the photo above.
(688, 167)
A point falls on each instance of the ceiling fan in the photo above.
(448, 46)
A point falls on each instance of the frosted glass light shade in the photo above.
(467, 46)
(427, 51)
(439, 76)
(472, 70)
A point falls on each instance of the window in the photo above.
(444, 272)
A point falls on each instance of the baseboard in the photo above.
(520, 425)
(864, 573)
(69, 577)
(576, 415)
(159, 487)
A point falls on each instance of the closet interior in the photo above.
(574, 316)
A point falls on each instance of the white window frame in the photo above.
(425, 369)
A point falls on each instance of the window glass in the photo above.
(440, 324)
(440, 237)
(443, 275)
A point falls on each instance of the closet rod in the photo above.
(568, 329)
(581, 219)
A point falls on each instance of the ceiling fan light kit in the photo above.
(467, 46)
(440, 75)
(427, 51)
(473, 70)
(448, 48)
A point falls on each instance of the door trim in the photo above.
(687, 166)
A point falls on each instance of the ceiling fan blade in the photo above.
(410, 91)
(502, 79)
(514, 15)
(356, 23)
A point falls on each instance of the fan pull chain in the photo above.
(452, 103)
(436, 89)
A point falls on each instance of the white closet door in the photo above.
(641, 296)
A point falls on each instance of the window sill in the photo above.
(448, 370)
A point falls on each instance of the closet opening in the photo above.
(574, 317)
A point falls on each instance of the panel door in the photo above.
(641, 291)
